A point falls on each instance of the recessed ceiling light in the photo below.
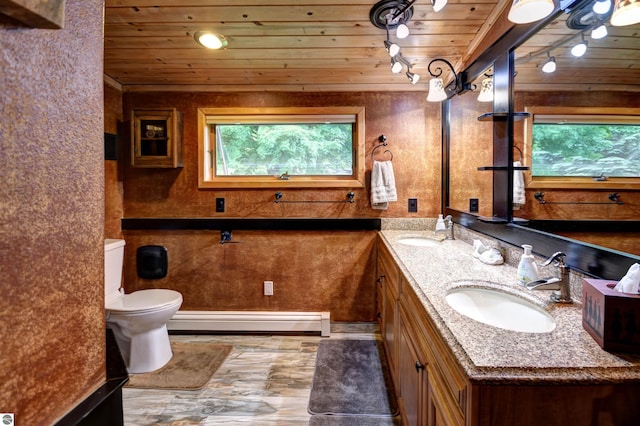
(210, 40)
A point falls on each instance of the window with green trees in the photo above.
(296, 149)
(281, 147)
(585, 146)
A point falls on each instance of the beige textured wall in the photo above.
(312, 271)
(51, 215)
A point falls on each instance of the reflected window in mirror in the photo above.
(585, 147)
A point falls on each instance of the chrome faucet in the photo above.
(562, 284)
(448, 230)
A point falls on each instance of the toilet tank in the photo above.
(113, 258)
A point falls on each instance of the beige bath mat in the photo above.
(190, 368)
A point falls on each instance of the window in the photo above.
(281, 147)
(583, 147)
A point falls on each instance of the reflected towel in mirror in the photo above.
(383, 185)
(518, 186)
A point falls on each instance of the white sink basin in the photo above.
(419, 242)
(500, 309)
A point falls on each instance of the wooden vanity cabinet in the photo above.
(388, 293)
(156, 138)
(433, 387)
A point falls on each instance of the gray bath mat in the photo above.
(351, 378)
(319, 420)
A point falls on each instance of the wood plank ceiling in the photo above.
(306, 45)
(283, 45)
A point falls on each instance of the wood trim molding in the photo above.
(35, 13)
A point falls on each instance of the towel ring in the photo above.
(383, 142)
(519, 150)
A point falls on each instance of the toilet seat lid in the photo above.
(144, 300)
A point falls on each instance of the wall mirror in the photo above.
(471, 148)
(607, 75)
(603, 81)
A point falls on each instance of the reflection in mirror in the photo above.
(605, 76)
(471, 149)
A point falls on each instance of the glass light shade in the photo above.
(601, 6)
(599, 32)
(486, 90)
(413, 78)
(625, 12)
(396, 66)
(210, 40)
(438, 5)
(436, 90)
(579, 49)
(549, 66)
(402, 31)
(526, 11)
(393, 49)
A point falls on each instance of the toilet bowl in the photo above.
(139, 319)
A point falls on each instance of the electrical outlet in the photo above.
(219, 205)
(473, 205)
(268, 288)
(413, 205)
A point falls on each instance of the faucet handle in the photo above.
(557, 256)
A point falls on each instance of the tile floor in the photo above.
(265, 380)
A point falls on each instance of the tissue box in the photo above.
(612, 318)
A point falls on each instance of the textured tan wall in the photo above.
(51, 215)
(113, 169)
(471, 146)
(411, 124)
(312, 271)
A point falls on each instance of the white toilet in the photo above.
(139, 319)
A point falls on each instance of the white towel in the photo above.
(518, 186)
(383, 185)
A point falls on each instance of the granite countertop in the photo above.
(490, 354)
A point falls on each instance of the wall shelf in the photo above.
(501, 116)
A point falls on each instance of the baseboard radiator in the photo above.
(248, 321)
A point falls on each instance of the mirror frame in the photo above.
(591, 260)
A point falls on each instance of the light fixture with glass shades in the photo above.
(396, 65)
(486, 89)
(438, 5)
(599, 32)
(392, 48)
(437, 90)
(625, 12)
(210, 40)
(601, 6)
(550, 65)
(579, 49)
(526, 11)
(413, 77)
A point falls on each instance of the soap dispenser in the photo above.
(440, 225)
(527, 268)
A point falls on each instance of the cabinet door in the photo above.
(442, 410)
(413, 380)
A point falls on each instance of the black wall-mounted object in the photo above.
(110, 146)
(152, 262)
